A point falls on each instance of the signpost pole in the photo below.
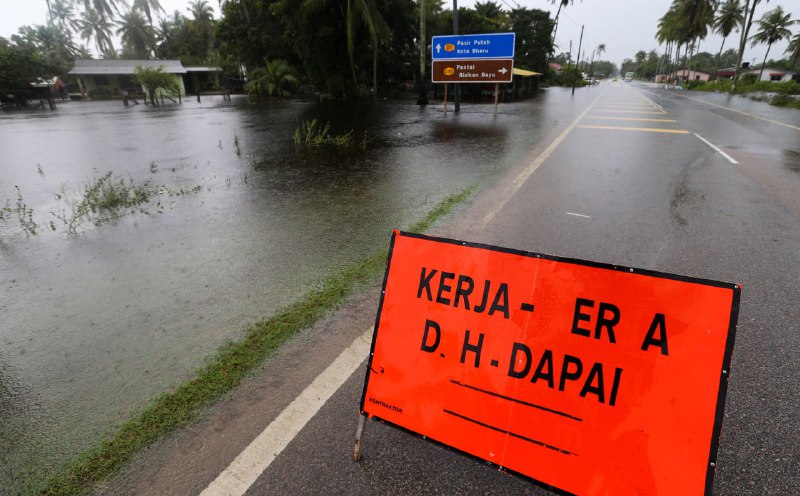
(457, 87)
(362, 420)
(445, 97)
(496, 88)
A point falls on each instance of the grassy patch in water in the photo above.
(312, 134)
(225, 370)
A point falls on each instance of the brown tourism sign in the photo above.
(472, 71)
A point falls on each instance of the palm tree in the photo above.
(378, 31)
(103, 8)
(271, 78)
(201, 12)
(561, 4)
(147, 7)
(695, 16)
(599, 50)
(202, 23)
(774, 27)
(729, 16)
(670, 31)
(748, 21)
(793, 50)
(63, 14)
(136, 35)
(93, 25)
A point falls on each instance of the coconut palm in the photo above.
(271, 78)
(729, 16)
(201, 12)
(147, 7)
(671, 31)
(793, 50)
(63, 14)
(135, 33)
(105, 9)
(202, 22)
(695, 16)
(774, 27)
(599, 50)
(561, 4)
(367, 12)
(749, 13)
(93, 25)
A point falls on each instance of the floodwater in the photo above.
(94, 325)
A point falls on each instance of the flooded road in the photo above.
(96, 324)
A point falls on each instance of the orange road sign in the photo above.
(584, 377)
(472, 71)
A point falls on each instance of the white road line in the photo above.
(652, 102)
(578, 215)
(754, 116)
(531, 168)
(260, 453)
(717, 149)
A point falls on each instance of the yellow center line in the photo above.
(628, 118)
(641, 129)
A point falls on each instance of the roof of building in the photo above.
(123, 67)
(202, 69)
(524, 72)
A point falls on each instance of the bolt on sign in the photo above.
(584, 377)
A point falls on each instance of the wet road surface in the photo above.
(630, 183)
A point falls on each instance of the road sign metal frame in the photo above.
(497, 46)
(479, 65)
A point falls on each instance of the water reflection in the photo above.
(791, 160)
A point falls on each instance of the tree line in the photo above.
(687, 23)
(332, 47)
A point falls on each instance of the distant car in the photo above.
(614, 79)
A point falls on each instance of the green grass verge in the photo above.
(225, 370)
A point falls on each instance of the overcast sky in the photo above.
(624, 26)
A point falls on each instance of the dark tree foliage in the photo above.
(21, 65)
(311, 36)
(252, 30)
(534, 40)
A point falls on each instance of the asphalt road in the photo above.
(628, 182)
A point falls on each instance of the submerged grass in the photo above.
(312, 134)
(225, 370)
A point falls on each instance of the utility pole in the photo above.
(577, 64)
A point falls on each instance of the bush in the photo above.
(785, 101)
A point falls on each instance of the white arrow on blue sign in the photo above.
(473, 46)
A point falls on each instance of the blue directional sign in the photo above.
(473, 46)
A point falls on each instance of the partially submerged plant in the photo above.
(22, 212)
(312, 134)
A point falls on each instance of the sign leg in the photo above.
(445, 97)
(362, 419)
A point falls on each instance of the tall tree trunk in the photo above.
(748, 21)
(423, 95)
(555, 22)
(375, 72)
(760, 74)
(719, 55)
